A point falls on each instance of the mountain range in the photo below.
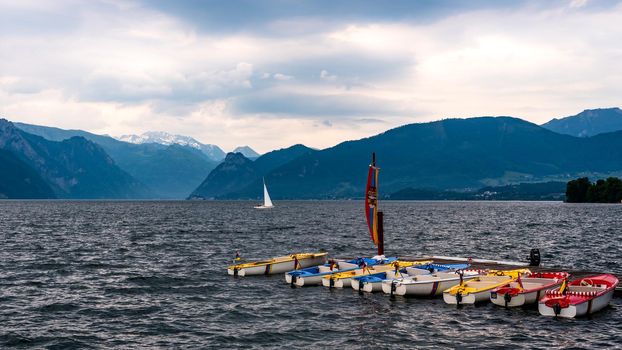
(239, 175)
(459, 155)
(588, 123)
(168, 172)
(72, 168)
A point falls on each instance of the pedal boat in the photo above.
(373, 283)
(478, 289)
(344, 279)
(276, 265)
(527, 290)
(312, 276)
(427, 285)
(582, 297)
(426, 269)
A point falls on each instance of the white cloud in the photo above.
(578, 3)
(282, 77)
(324, 75)
(103, 70)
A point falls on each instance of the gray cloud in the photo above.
(349, 68)
(261, 16)
(314, 106)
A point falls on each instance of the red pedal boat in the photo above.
(581, 297)
(527, 290)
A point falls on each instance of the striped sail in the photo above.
(371, 202)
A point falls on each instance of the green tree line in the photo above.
(602, 191)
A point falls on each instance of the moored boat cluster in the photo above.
(457, 283)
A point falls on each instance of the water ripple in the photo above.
(151, 274)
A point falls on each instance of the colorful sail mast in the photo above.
(374, 217)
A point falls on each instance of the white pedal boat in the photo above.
(478, 289)
(426, 285)
(312, 276)
(527, 290)
(344, 279)
(582, 297)
(374, 283)
(277, 265)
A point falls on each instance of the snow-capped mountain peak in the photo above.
(164, 138)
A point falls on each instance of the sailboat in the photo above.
(267, 203)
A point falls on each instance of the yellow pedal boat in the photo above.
(478, 289)
(344, 279)
(279, 264)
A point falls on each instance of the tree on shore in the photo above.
(602, 191)
(576, 190)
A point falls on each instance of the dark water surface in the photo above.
(152, 274)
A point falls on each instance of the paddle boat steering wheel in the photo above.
(587, 283)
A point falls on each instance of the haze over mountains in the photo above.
(168, 172)
(452, 154)
(72, 168)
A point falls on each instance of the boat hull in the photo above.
(470, 298)
(516, 300)
(478, 289)
(303, 281)
(337, 283)
(529, 290)
(277, 267)
(303, 278)
(344, 280)
(581, 297)
(582, 309)
(369, 287)
(519, 299)
(420, 289)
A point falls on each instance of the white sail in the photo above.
(266, 197)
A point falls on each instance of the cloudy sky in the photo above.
(274, 73)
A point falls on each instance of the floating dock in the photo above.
(482, 264)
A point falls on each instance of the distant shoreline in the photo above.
(279, 200)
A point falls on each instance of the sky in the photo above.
(271, 74)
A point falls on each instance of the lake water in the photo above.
(153, 274)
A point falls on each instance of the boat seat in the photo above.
(425, 278)
(415, 271)
(324, 269)
(495, 279)
(584, 289)
(537, 280)
(446, 275)
(346, 265)
(527, 285)
(481, 284)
